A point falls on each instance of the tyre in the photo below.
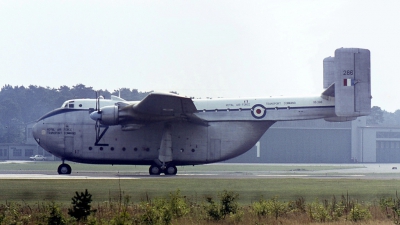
(171, 170)
(154, 170)
(64, 169)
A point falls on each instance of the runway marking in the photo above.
(283, 175)
(197, 174)
(59, 177)
(16, 162)
(304, 175)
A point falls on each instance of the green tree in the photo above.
(81, 207)
(130, 95)
(21, 105)
(227, 205)
(376, 116)
(55, 217)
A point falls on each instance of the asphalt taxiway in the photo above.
(340, 171)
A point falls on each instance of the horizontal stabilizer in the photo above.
(329, 92)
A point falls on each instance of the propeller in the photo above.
(96, 115)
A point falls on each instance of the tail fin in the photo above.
(347, 78)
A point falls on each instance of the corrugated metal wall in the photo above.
(303, 142)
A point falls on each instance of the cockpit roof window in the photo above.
(69, 104)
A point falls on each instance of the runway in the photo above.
(223, 171)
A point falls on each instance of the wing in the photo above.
(157, 107)
(162, 104)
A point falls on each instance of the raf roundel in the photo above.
(258, 111)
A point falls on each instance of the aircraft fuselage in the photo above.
(233, 127)
(167, 130)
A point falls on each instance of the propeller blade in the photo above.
(96, 101)
(96, 116)
(97, 128)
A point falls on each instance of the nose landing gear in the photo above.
(64, 169)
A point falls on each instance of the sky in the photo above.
(207, 48)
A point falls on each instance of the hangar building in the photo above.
(318, 141)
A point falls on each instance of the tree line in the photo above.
(380, 117)
(21, 105)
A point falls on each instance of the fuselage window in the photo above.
(71, 106)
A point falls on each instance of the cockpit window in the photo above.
(69, 104)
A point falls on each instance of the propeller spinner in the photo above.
(95, 115)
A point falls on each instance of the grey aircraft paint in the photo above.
(167, 130)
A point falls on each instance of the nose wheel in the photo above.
(157, 170)
(64, 169)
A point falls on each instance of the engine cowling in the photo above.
(109, 115)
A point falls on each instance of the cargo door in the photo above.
(69, 145)
(70, 142)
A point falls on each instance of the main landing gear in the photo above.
(163, 163)
(169, 170)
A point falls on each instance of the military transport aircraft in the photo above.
(166, 130)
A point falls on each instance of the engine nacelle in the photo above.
(109, 115)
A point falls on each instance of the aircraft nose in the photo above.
(36, 130)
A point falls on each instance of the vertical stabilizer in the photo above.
(329, 71)
(352, 82)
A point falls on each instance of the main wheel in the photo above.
(64, 169)
(154, 170)
(171, 170)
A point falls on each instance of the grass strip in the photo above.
(249, 190)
